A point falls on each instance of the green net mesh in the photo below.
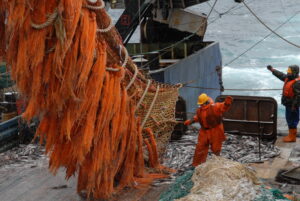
(180, 188)
(270, 195)
(183, 184)
(220, 179)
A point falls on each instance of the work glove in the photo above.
(228, 100)
(187, 122)
(270, 68)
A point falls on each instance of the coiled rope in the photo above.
(95, 7)
(107, 29)
(49, 21)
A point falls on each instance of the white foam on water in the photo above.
(293, 57)
(247, 79)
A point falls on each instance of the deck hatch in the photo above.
(251, 115)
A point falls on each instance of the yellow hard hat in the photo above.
(203, 98)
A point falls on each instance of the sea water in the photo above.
(238, 30)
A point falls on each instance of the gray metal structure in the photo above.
(198, 68)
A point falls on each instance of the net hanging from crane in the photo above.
(99, 115)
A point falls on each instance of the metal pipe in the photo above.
(9, 123)
(9, 133)
(260, 129)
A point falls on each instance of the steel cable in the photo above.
(199, 87)
(261, 40)
(273, 31)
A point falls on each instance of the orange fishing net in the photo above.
(93, 104)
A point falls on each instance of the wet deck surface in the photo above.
(35, 182)
(269, 169)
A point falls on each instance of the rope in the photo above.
(50, 50)
(110, 26)
(234, 8)
(197, 87)
(214, 9)
(211, 10)
(260, 40)
(269, 27)
(112, 69)
(95, 7)
(144, 94)
(49, 21)
(151, 106)
(133, 78)
(244, 66)
(285, 14)
(126, 57)
(120, 51)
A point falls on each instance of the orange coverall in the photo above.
(211, 132)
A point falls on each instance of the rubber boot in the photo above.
(291, 136)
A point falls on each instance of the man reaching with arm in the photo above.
(290, 98)
(211, 133)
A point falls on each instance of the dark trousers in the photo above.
(292, 117)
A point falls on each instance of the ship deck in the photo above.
(35, 182)
(270, 168)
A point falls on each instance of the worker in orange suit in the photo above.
(211, 133)
(290, 98)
